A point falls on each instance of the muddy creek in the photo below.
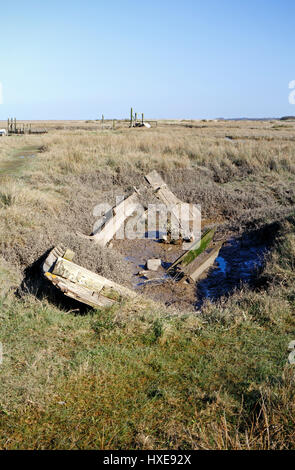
(238, 263)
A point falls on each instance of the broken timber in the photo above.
(80, 283)
(196, 249)
(196, 268)
(199, 258)
(179, 215)
(114, 220)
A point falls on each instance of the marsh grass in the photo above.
(141, 376)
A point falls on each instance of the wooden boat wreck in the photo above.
(95, 290)
(81, 284)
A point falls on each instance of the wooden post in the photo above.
(114, 123)
(7, 126)
(131, 118)
(102, 121)
(142, 118)
(196, 268)
(135, 118)
(15, 125)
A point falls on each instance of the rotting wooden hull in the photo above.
(80, 283)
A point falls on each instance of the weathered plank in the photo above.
(69, 255)
(182, 214)
(120, 213)
(79, 293)
(161, 189)
(80, 283)
(155, 180)
(200, 264)
(51, 258)
(82, 276)
(196, 249)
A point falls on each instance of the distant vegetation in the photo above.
(288, 118)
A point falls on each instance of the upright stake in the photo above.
(131, 118)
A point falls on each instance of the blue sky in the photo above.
(74, 59)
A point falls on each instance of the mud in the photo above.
(137, 252)
(239, 262)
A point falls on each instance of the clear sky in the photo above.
(77, 59)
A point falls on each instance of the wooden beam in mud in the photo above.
(81, 284)
(197, 267)
(115, 221)
(196, 249)
(82, 276)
